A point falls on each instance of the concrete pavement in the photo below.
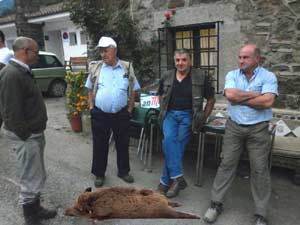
(68, 161)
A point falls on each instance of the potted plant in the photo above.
(77, 103)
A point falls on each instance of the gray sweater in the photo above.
(21, 103)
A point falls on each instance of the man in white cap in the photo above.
(112, 85)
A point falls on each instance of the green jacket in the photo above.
(21, 103)
(198, 79)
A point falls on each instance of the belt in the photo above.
(248, 125)
(116, 113)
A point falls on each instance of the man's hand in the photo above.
(264, 101)
(236, 96)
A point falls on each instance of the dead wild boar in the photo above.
(124, 202)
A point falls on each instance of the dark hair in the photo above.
(2, 36)
(183, 51)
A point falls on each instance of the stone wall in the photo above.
(274, 25)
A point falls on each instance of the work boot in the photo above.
(34, 212)
(212, 213)
(178, 184)
(99, 181)
(127, 178)
(260, 220)
(162, 189)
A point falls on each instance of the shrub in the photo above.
(77, 100)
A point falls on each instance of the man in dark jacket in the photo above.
(5, 56)
(181, 94)
(24, 114)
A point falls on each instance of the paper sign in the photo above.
(149, 101)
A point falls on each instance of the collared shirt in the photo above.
(111, 94)
(21, 64)
(262, 81)
(5, 55)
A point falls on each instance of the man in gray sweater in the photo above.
(24, 114)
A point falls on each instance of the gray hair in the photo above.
(22, 42)
(183, 51)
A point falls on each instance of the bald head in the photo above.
(252, 48)
(26, 50)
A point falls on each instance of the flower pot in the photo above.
(76, 124)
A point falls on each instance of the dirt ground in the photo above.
(68, 161)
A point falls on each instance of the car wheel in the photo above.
(57, 88)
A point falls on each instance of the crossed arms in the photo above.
(250, 98)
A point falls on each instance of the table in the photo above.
(215, 125)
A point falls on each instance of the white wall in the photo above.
(54, 28)
(74, 50)
(65, 25)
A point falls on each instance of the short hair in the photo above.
(183, 51)
(2, 36)
(257, 52)
(22, 42)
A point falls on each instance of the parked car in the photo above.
(50, 74)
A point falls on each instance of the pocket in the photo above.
(256, 87)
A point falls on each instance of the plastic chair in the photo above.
(137, 125)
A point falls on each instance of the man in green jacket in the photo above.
(24, 114)
(181, 94)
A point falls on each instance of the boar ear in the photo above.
(89, 189)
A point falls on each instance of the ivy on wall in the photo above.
(111, 18)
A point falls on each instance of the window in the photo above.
(83, 38)
(46, 61)
(73, 38)
(201, 39)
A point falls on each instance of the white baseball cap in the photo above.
(105, 42)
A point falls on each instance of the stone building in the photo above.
(216, 29)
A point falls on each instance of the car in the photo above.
(49, 74)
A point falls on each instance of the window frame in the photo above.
(167, 45)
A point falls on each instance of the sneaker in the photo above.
(260, 220)
(99, 181)
(213, 212)
(127, 178)
(162, 189)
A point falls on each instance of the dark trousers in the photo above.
(102, 125)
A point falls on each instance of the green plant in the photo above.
(76, 94)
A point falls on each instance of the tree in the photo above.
(23, 28)
(111, 18)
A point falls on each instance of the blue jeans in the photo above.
(177, 133)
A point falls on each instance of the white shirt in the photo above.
(5, 55)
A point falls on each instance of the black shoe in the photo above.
(178, 184)
(99, 181)
(162, 189)
(34, 212)
(127, 178)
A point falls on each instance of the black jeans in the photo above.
(102, 125)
